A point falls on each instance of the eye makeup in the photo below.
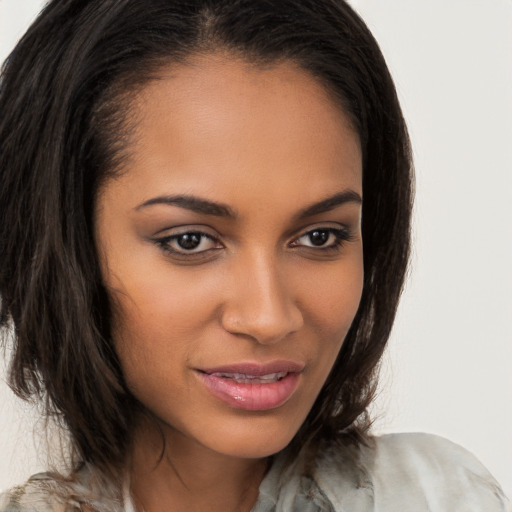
(194, 244)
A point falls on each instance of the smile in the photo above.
(253, 387)
(244, 378)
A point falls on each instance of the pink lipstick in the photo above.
(253, 387)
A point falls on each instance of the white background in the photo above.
(449, 367)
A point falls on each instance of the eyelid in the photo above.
(342, 234)
(323, 226)
(164, 242)
(186, 228)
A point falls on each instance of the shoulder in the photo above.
(48, 492)
(443, 474)
(40, 493)
(413, 472)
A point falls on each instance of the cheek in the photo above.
(332, 302)
(161, 315)
(153, 299)
(333, 298)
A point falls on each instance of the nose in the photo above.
(261, 305)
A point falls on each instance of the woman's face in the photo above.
(231, 248)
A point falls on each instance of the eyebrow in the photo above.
(196, 204)
(206, 207)
(330, 203)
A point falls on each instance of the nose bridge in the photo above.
(262, 305)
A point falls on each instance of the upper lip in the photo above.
(256, 369)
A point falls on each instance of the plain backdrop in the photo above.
(448, 369)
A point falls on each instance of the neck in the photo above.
(189, 476)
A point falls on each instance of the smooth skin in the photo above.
(269, 272)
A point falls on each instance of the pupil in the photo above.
(319, 237)
(189, 240)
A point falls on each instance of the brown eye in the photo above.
(322, 238)
(188, 242)
(319, 237)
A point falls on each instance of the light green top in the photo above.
(399, 473)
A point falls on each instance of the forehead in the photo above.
(218, 125)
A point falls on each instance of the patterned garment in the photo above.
(399, 473)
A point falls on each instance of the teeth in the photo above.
(243, 378)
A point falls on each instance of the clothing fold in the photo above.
(397, 472)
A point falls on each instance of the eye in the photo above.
(322, 238)
(188, 242)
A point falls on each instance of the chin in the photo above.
(251, 448)
(254, 438)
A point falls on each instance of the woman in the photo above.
(206, 211)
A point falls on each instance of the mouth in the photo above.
(253, 387)
(244, 378)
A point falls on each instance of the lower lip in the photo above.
(252, 397)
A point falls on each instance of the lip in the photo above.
(256, 369)
(253, 396)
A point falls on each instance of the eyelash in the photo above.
(341, 235)
(164, 243)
